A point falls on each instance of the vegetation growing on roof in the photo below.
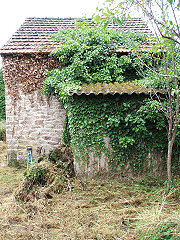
(87, 56)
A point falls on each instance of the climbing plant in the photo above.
(134, 124)
(2, 97)
(87, 55)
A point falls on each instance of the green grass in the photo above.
(164, 230)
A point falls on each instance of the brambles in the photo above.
(38, 175)
(63, 158)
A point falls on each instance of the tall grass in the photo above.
(2, 130)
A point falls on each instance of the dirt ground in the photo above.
(104, 208)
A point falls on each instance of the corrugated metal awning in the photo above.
(113, 88)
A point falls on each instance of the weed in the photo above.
(37, 175)
(13, 162)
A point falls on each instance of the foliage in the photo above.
(66, 137)
(134, 125)
(155, 75)
(163, 16)
(2, 97)
(2, 131)
(87, 55)
(37, 175)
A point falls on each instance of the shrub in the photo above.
(2, 131)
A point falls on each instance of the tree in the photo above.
(162, 15)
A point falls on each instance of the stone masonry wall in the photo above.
(35, 121)
(32, 119)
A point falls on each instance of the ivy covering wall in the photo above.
(2, 97)
(134, 124)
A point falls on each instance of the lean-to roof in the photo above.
(113, 88)
(34, 34)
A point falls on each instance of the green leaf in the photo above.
(106, 24)
(97, 18)
(118, 21)
(108, 11)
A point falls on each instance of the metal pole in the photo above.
(29, 157)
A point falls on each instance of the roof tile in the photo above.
(33, 35)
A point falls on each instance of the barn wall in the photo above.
(32, 119)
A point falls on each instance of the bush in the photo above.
(2, 131)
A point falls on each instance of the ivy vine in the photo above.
(2, 97)
(134, 124)
(86, 55)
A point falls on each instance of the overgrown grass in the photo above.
(103, 208)
(2, 130)
(2, 154)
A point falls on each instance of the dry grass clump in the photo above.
(40, 182)
(10, 178)
(48, 176)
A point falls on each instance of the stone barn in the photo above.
(33, 119)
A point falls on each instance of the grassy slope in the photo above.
(103, 208)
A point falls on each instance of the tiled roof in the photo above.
(113, 88)
(33, 35)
